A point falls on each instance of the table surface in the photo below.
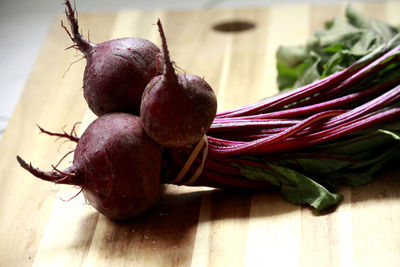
(40, 226)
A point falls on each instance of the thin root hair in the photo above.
(66, 175)
(74, 196)
(72, 46)
(69, 66)
(178, 68)
(71, 136)
(63, 157)
(68, 32)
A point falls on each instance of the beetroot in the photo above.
(177, 109)
(117, 71)
(116, 164)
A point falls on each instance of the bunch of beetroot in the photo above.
(156, 126)
(118, 159)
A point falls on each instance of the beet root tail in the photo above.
(83, 44)
(56, 176)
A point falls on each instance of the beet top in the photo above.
(116, 164)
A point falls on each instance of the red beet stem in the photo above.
(247, 135)
(67, 176)
(258, 125)
(222, 175)
(83, 44)
(373, 67)
(278, 101)
(295, 143)
(248, 147)
(169, 70)
(308, 110)
(335, 132)
(236, 125)
(331, 85)
(380, 102)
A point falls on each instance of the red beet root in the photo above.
(177, 109)
(116, 164)
(117, 71)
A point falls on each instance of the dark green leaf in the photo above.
(294, 186)
(355, 39)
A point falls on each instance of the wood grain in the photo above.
(189, 226)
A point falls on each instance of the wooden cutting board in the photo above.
(189, 226)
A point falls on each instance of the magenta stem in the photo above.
(295, 143)
(303, 111)
(248, 147)
(345, 79)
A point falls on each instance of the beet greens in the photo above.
(341, 43)
(340, 129)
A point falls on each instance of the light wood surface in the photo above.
(189, 226)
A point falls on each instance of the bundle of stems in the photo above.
(338, 130)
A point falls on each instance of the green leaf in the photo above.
(287, 76)
(364, 45)
(355, 39)
(356, 18)
(291, 56)
(308, 71)
(290, 62)
(334, 64)
(334, 48)
(340, 32)
(294, 186)
(256, 173)
(300, 189)
(364, 168)
(359, 20)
